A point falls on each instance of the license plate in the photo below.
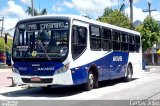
(35, 79)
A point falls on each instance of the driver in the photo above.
(42, 40)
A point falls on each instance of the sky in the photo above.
(14, 10)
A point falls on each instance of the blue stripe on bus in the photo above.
(108, 69)
(26, 68)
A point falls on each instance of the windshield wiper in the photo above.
(45, 52)
(27, 51)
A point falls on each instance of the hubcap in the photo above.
(91, 78)
(129, 73)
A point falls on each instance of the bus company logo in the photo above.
(117, 58)
(22, 68)
(45, 69)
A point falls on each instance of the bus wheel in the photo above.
(128, 74)
(90, 82)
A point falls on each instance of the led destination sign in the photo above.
(47, 26)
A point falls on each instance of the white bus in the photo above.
(70, 50)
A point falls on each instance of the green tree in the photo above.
(1, 45)
(115, 17)
(42, 12)
(8, 45)
(107, 11)
(150, 33)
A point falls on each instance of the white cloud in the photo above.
(93, 8)
(68, 4)
(134, 1)
(13, 9)
(90, 7)
(28, 2)
(138, 14)
(12, 13)
(10, 24)
(156, 15)
(57, 8)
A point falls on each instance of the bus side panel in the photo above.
(119, 63)
(111, 66)
(104, 67)
(80, 73)
(136, 60)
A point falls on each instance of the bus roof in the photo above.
(82, 18)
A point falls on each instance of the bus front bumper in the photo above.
(64, 78)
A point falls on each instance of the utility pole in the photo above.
(32, 7)
(2, 25)
(149, 9)
(131, 13)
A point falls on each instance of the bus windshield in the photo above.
(41, 39)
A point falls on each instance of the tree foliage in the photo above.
(150, 33)
(115, 17)
(2, 47)
(107, 11)
(42, 12)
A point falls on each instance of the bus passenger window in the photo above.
(107, 43)
(137, 43)
(124, 42)
(95, 38)
(116, 40)
(131, 43)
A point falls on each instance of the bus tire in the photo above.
(96, 80)
(128, 74)
(90, 81)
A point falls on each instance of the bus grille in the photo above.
(46, 80)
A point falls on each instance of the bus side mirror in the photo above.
(5, 39)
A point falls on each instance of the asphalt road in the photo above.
(143, 90)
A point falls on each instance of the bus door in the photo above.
(79, 38)
(78, 48)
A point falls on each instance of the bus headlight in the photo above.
(62, 69)
(63, 51)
